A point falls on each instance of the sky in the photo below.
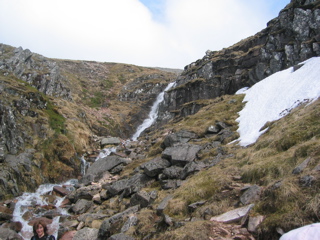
(153, 33)
(275, 96)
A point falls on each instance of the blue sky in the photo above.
(162, 33)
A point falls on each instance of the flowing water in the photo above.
(30, 206)
(153, 113)
(27, 208)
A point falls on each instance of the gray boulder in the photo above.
(191, 168)
(163, 204)
(182, 136)
(99, 167)
(107, 224)
(155, 166)
(81, 206)
(8, 234)
(110, 141)
(86, 234)
(181, 154)
(250, 195)
(173, 172)
(301, 166)
(128, 186)
(141, 198)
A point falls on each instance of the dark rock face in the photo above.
(38, 71)
(290, 38)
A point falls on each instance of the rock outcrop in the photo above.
(38, 71)
(292, 37)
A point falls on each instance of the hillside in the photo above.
(187, 176)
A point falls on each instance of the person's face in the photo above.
(40, 230)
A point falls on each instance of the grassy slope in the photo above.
(271, 160)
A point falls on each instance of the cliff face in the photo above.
(292, 37)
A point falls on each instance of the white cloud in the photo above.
(125, 30)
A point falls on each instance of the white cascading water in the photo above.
(37, 198)
(28, 200)
(153, 113)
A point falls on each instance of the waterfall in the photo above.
(153, 113)
(28, 201)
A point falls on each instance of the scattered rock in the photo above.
(302, 166)
(233, 215)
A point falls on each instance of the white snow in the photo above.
(275, 96)
(308, 232)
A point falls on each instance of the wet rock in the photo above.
(61, 191)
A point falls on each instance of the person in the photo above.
(40, 231)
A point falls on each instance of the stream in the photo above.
(44, 203)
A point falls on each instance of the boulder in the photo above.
(250, 195)
(99, 167)
(128, 186)
(86, 234)
(81, 206)
(107, 224)
(181, 154)
(182, 136)
(163, 204)
(173, 172)
(170, 184)
(110, 141)
(233, 215)
(155, 166)
(8, 234)
(15, 226)
(254, 222)
(301, 166)
(68, 235)
(61, 191)
(141, 198)
(191, 168)
(131, 221)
